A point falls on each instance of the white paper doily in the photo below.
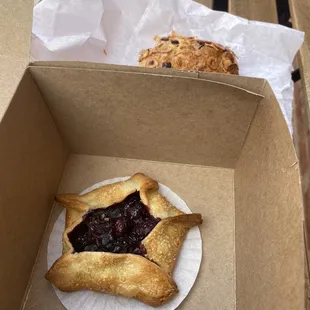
(185, 273)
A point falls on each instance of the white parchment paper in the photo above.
(114, 31)
(185, 273)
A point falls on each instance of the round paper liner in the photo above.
(185, 272)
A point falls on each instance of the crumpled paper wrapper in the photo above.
(185, 272)
(114, 31)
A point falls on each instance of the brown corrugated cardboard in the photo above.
(208, 190)
(15, 29)
(264, 259)
(129, 109)
(218, 141)
(32, 158)
(254, 85)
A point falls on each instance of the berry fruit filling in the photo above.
(119, 228)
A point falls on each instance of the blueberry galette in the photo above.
(121, 239)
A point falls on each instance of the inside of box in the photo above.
(213, 196)
(207, 141)
(268, 215)
(152, 117)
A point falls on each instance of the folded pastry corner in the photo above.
(165, 240)
(121, 239)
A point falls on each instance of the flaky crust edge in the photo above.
(122, 274)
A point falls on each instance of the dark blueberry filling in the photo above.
(166, 65)
(164, 39)
(119, 228)
(174, 41)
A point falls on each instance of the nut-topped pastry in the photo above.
(122, 239)
(189, 53)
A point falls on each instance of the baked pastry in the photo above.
(189, 53)
(122, 239)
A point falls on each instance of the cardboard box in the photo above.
(219, 141)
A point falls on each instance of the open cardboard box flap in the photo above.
(219, 141)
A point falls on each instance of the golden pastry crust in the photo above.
(165, 240)
(118, 274)
(189, 53)
(148, 278)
